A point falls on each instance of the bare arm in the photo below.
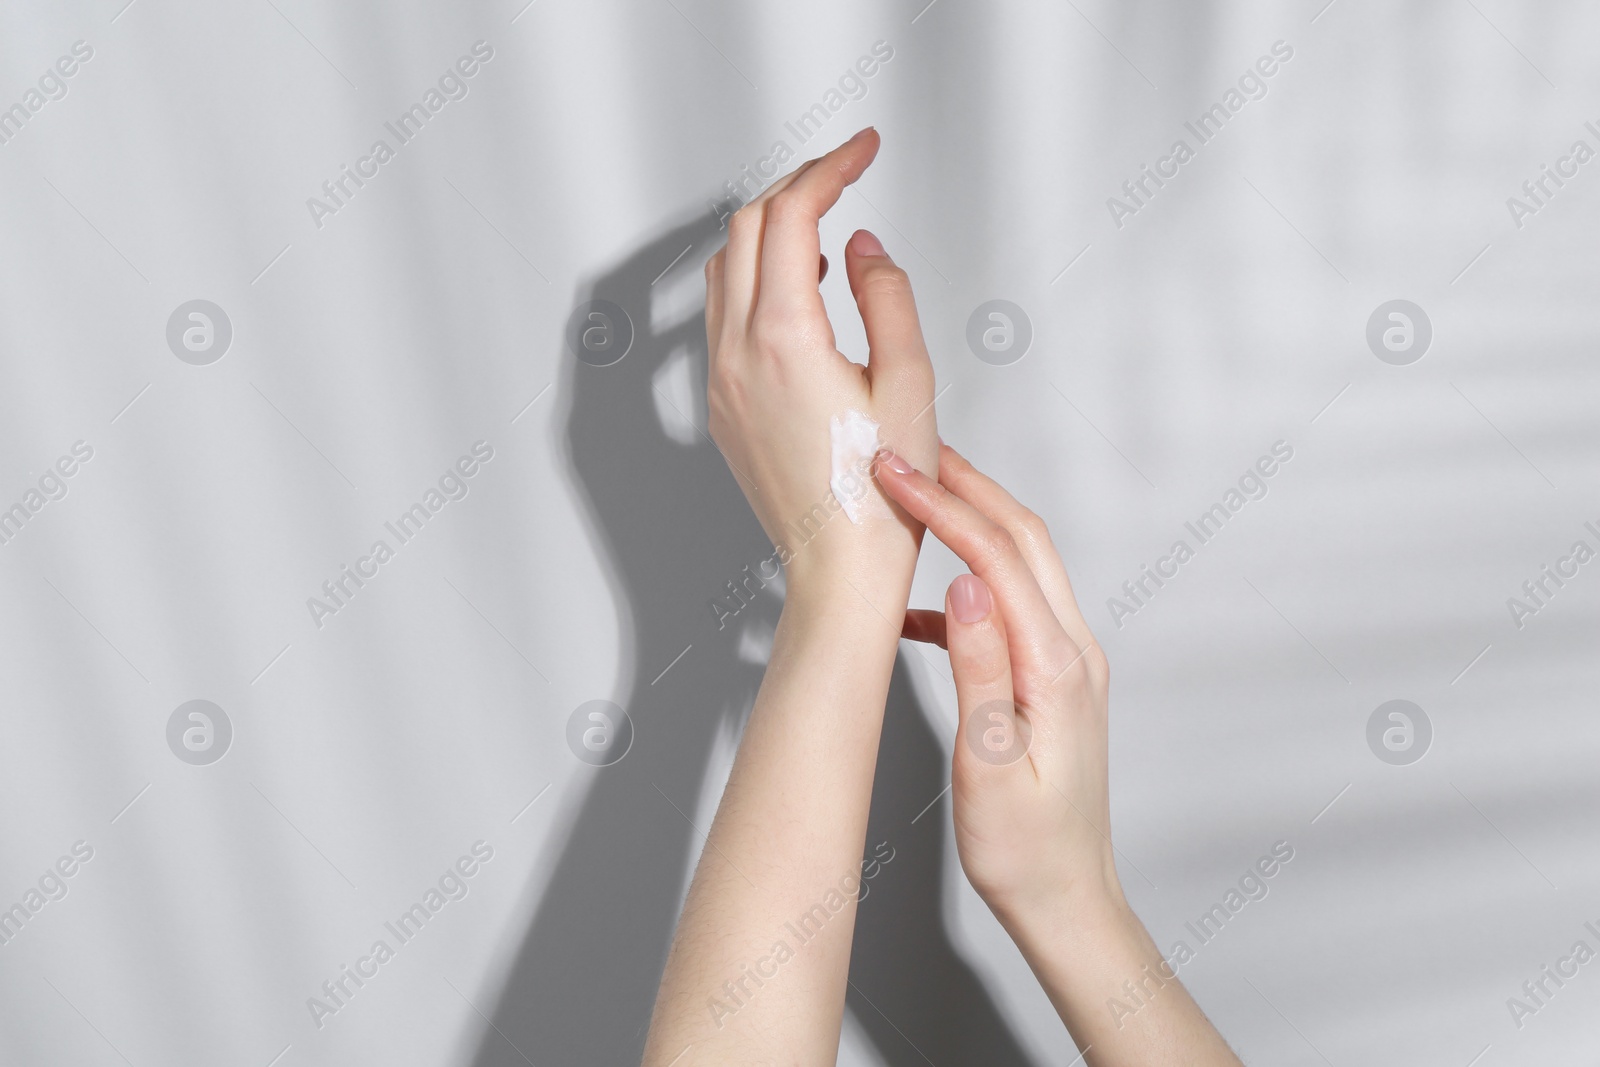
(1032, 805)
(758, 967)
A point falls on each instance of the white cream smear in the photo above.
(855, 442)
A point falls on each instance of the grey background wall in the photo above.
(351, 354)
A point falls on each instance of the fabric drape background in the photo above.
(242, 346)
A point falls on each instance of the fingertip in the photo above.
(970, 600)
(864, 146)
(866, 138)
(892, 461)
(866, 243)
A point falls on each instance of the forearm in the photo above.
(759, 962)
(1119, 999)
(758, 967)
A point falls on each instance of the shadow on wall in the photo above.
(675, 529)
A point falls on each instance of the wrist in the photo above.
(877, 566)
(1084, 948)
(1085, 912)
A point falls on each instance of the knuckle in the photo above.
(1060, 649)
(994, 544)
(940, 507)
(1031, 528)
(882, 295)
(1084, 672)
(980, 665)
(1031, 522)
(885, 282)
(725, 389)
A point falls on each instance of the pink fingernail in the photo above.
(865, 243)
(895, 463)
(969, 599)
(861, 133)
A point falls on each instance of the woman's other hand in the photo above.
(777, 379)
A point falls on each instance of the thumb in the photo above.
(992, 735)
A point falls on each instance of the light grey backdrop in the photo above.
(1175, 340)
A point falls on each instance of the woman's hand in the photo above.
(1032, 806)
(1032, 811)
(777, 380)
(741, 986)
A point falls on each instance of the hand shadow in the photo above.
(676, 530)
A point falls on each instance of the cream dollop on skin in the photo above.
(855, 442)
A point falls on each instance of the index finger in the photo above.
(790, 244)
(1044, 648)
(958, 474)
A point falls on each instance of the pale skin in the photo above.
(1032, 822)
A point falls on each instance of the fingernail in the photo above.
(895, 463)
(861, 133)
(969, 598)
(864, 243)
